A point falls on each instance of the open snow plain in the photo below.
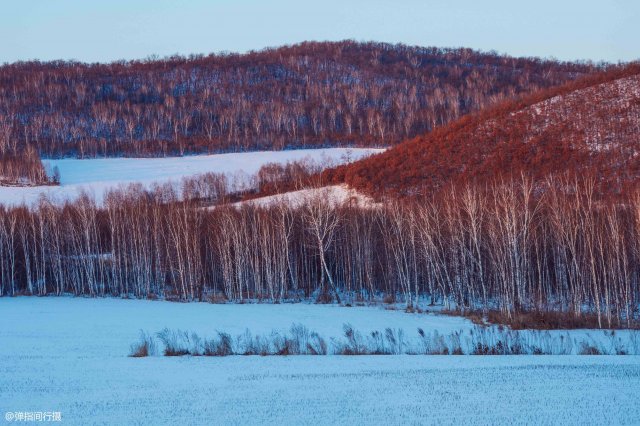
(70, 355)
(98, 175)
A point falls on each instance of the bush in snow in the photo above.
(222, 346)
(178, 343)
(146, 346)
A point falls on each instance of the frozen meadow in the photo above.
(96, 176)
(70, 355)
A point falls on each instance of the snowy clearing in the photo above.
(69, 355)
(100, 174)
(334, 195)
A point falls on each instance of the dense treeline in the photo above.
(587, 126)
(513, 246)
(302, 95)
(23, 167)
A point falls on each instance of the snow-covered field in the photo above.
(70, 355)
(98, 175)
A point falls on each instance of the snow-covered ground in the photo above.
(334, 195)
(70, 355)
(98, 175)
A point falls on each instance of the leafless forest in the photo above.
(590, 126)
(23, 167)
(308, 94)
(490, 217)
(512, 246)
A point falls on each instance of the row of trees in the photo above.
(302, 95)
(513, 246)
(23, 167)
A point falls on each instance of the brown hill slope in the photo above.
(591, 126)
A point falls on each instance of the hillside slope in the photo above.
(589, 127)
(303, 95)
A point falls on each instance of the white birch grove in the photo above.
(510, 247)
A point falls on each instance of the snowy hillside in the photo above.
(99, 175)
(598, 114)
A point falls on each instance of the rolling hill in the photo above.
(309, 94)
(587, 127)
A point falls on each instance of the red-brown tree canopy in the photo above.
(303, 95)
(591, 126)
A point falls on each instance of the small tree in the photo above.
(55, 177)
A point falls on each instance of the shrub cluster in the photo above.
(299, 340)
